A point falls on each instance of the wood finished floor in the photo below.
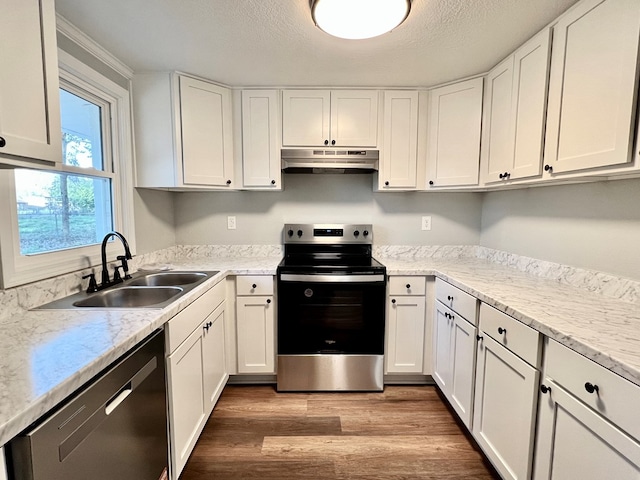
(406, 432)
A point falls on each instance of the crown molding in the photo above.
(72, 32)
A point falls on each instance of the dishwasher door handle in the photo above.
(113, 404)
(312, 278)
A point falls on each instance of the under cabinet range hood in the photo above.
(329, 160)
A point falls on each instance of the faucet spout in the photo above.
(127, 255)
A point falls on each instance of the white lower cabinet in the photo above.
(404, 352)
(255, 325)
(196, 372)
(3, 465)
(586, 427)
(454, 360)
(507, 379)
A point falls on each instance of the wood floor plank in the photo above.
(405, 432)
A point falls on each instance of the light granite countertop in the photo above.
(48, 354)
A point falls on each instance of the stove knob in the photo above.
(356, 233)
(290, 233)
(365, 233)
(299, 233)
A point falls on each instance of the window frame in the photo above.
(20, 269)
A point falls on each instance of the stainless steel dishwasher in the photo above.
(116, 427)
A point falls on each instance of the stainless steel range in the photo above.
(331, 310)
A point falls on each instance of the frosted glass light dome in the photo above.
(358, 19)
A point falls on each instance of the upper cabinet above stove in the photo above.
(29, 97)
(331, 118)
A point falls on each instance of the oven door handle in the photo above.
(290, 277)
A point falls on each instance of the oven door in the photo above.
(331, 314)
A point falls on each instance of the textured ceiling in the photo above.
(274, 42)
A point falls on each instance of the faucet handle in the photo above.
(116, 274)
(93, 286)
(125, 266)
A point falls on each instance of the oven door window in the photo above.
(339, 318)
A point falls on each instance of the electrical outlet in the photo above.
(231, 223)
(426, 223)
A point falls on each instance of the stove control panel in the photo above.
(328, 233)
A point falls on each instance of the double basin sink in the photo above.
(146, 290)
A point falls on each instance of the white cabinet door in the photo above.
(3, 465)
(573, 441)
(187, 411)
(398, 156)
(260, 139)
(497, 149)
(462, 367)
(442, 347)
(215, 373)
(405, 334)
(504, 409)
(29, 86)
(592, 87)
(530, 82)
(515, 102)
(453, 135)
(354, 118)
(205, 117)
(305, 117)
(255, 329)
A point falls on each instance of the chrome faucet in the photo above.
(106, 281)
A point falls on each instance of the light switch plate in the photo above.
(231, 223)
(426, 223)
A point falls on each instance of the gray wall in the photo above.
(594, 226)
(155, 220)
(201, 218)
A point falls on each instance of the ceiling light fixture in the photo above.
(358, 19)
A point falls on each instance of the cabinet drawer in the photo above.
(407, 285)
(185, 322)
(522, 340)
(616, 398)
(460, 302)
(254, 285)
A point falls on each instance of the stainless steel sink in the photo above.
(129, 297)
(144, 290)
(164, 279)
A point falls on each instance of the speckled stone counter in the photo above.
(602, 328)
(48, 354)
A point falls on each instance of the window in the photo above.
(59, 218)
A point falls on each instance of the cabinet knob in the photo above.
(3, 142)
(228, 182)
(548, 168)
(589, 387)
(253, 286)
(450, 298)
(545, 389)
(501, 176)
(393, 300)
(502, 330)
(333, 142)
(430, 182)
(326, 142)
(386, 184)
(408, 285)
(273, 182)
(478, 337)
(268, 300)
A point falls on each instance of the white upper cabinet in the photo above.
(514, 117)
(592, 87)
(340, 118)
(398, 155)
(260, 140)
(184, 133)
(29, 86)
(453, 134)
